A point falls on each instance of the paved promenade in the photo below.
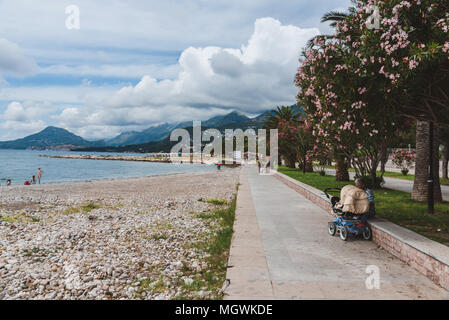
(281, 250)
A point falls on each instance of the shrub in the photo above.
(404, 159)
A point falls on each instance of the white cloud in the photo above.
(27, 111)
(111, 70)
(13, 61)
(81, 94)
(15, 112)
(15, 129)
(256, 77)
(21, 119)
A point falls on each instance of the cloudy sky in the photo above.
(136, 63)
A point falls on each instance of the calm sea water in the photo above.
(21, 165)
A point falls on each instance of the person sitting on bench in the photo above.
(372, 208)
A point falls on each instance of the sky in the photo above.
(132, 64)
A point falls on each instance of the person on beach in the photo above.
(8, 182)
(372, 209)
(33, 180)
(39, 174)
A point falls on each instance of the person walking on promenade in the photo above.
(40, 172)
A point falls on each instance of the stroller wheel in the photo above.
(344, 233)
(332, 228)
(367, 234)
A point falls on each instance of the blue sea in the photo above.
(21, 165)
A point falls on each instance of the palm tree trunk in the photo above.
(445, 152)
(383, 156)
(373, 174)
(290, 161)
(341, 166)
(421, 167)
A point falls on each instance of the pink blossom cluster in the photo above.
(400, 6)
(446, 47)
(413, 64)
(403, 159)
(358, 105)
(444, 23)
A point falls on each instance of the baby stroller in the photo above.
(345, 223)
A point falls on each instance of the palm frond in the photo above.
(310, 43)
(334, 16)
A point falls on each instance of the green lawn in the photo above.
(396, 175)
(393, 205)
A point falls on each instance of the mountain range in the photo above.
(60, 139)
(159, 132)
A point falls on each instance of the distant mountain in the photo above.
(260, 119)
(154, 133)
(221, 123)
(50, 138)
(159, 132)
(163, 145)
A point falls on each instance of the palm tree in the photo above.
(334, 17)
(288, 114)
(284, 113)
(444, 140)
(445, 156)
(420, 185)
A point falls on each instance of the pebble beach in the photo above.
(110, 239)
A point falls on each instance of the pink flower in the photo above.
(413, 64)
(446, 47)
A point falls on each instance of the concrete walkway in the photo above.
(399, 184)
(281, 250)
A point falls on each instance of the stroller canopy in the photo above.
(354, 200)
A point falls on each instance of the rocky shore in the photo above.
(110, 239)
